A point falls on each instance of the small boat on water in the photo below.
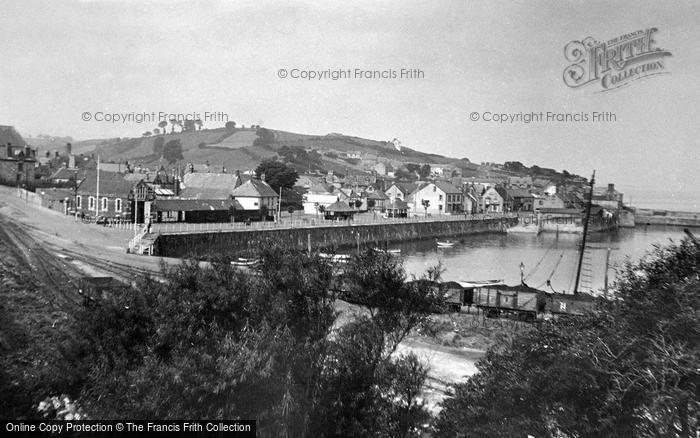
(338, 258)
(445, 243)
(245, 262)
(388, 251)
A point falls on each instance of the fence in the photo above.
(305, 222)
(29, 197)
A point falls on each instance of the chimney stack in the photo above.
(69, 148)
(55, 154)
(262, 177)
(611, 188)
(9, 149)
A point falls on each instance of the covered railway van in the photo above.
(523, 300)
(569, 304)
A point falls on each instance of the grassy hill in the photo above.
(235, 149)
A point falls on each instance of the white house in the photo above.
(319, 195)
(491, 201)
(255, 194)
(400, 191)
(436, 198)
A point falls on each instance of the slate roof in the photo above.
(319, 188)
(406, 188)
(196, 204)
(254, 188)
(378, 195)
(68, 174)
(340, 207)
(209, 185)
(447, 187)
(112, 184)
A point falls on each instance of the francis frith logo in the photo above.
(615, 63)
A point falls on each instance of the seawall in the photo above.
(241, 242)
(643, 216)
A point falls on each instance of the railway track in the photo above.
(122, 270)
(60, 278)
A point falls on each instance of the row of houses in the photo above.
(164, 197)
(467, 196)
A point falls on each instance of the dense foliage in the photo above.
(216, 342)
(631, 368)
(277, 174)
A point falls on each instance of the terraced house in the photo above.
(17, 159)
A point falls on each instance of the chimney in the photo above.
(55, 154)
(611, 188)
(9, 149)
(71, 161)
(69, 148)
(262, 176)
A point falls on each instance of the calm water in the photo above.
(498, 256)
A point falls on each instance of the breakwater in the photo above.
(643, 216)
(339, 237)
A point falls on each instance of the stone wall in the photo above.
(242, 242)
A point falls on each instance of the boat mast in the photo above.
(585, 233)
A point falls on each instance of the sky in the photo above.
(62, 59)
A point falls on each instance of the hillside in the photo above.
(235, 149)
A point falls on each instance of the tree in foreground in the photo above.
(630, 368)
(221, 343)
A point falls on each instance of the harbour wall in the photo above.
(242, 242)
(643, 216)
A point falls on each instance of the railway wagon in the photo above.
(455, 296)
(522, 300)
(98, 288)
(569, 304)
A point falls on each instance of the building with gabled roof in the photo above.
(439, 197)
(200, 185)
(17, 159)
(114, 195)
(256, 194)
(339, 211)
(516, 199)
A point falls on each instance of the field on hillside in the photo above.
(239, 139)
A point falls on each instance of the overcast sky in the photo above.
(60, 59)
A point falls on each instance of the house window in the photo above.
(256, 204)
(440, 207)
(440, 198)
(79, 201)
(91, 203)
(118, 205)
(20, 167)
(103, 206)
(434, 189)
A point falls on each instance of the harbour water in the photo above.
(545, 257)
